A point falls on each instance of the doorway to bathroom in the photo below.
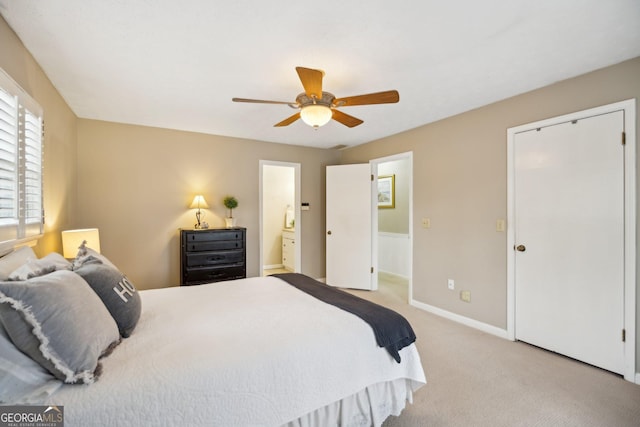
(280, 225)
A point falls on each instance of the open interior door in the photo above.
(349, 239)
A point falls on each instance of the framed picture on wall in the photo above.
(386, 192)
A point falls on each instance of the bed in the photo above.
(248, 352)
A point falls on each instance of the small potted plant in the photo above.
(230, 203)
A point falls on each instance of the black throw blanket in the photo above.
(392, 331)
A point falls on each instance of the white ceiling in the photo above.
(177, 63)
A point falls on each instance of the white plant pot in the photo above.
(230, 222)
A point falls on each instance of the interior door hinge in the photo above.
(371, 270)
(371, 177)
(624, 335)
(624, 138)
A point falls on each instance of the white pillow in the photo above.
(39, 267)
(15, 259)
(22, 380)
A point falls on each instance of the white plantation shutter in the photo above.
(32, 164)
(8, 165)
(21, 213)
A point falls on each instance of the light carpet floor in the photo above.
(476, 379)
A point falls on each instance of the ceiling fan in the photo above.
(318, 107)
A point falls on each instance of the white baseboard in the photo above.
(271, 267)
(394, 274)
(638, 378)
(484, 327)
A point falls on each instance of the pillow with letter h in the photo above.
(117, 293)
(87, 255)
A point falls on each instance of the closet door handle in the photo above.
(329, 232)
(521, 248)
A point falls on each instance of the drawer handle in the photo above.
(216, 258)
(215, 275)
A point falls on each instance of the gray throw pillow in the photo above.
(117, 293)
(60, 323)
(39, 267)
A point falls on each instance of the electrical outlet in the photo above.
(426, 223)
(451, 284)
(465, 296)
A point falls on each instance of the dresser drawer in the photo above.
(215, 245)
(204, 236)
(214, 258)
(196, 276)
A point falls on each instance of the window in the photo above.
(21, 213)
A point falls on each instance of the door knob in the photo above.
(329, 232)
(521, 248)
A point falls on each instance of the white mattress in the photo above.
(247, 352)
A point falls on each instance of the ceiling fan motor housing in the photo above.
(327, 100)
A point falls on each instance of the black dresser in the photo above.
(212, 255)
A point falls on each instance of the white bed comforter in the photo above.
(249, 352)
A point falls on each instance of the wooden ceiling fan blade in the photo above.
(386, 97)
(288, 120)
(261, 101)
(311, 81)
(346, 119)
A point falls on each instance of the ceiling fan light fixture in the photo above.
(316, 115)
(317, 107)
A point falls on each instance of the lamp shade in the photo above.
(316, 115)
(199, 202)
(72, 239)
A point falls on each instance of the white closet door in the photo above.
(569, 219)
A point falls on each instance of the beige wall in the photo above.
(59, 142)
(135, 183)
(460, 183)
